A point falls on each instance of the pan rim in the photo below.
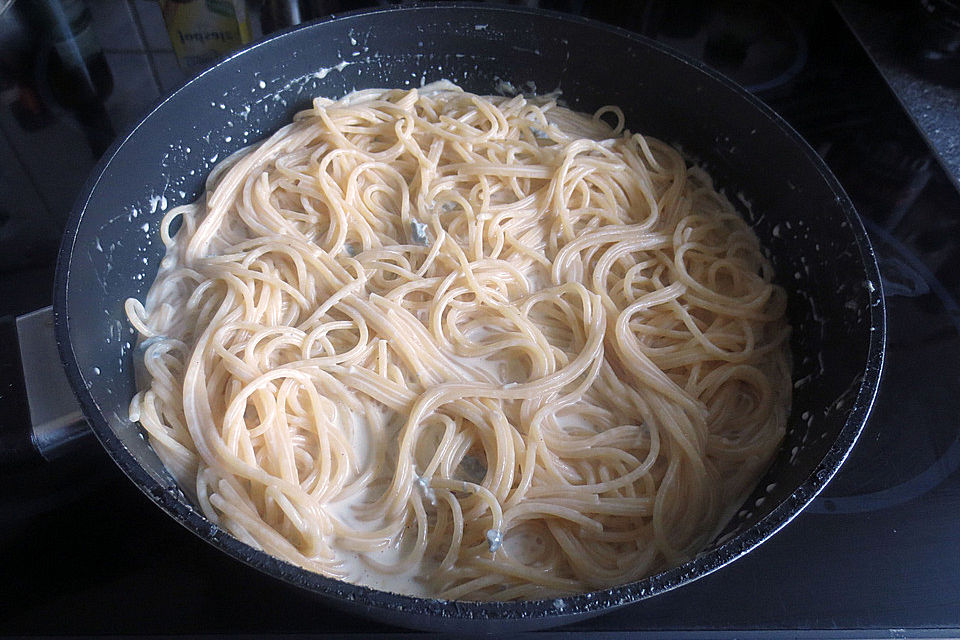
(554, 608)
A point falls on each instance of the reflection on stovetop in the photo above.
(878, 550)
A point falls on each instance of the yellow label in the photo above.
(203, 31)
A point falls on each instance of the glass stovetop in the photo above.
(82, 552)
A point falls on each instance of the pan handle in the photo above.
(42, 420)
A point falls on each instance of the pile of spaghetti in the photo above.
(465, 347)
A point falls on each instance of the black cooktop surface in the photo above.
(878, 554)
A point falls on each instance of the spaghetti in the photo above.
(463, 347)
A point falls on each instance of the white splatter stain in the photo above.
(324, 72)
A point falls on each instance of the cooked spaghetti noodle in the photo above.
(465, 347)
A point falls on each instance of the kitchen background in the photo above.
(48, 144)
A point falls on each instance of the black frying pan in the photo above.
(111, 249)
